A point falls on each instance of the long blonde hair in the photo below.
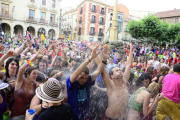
(153, 88)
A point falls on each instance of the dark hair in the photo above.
(176, 67)
(49, 57)
(111, 72)
(143, 77)
(7, 65)
(163, 70)
(42, 60)
(150, 70)
(138, 67)
(86, 70)
(40, 78)
(111, 57)
(29, 70)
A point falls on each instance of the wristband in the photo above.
(28, 63)
(105, 62)
(89, 60)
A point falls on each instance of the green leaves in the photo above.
(153, 29)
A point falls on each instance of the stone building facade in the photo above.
(36, 16)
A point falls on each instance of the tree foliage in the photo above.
(152, 29)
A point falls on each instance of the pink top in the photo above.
(171, 87)
(22, 100)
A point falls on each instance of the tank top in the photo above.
(22, 101)
(3, 107)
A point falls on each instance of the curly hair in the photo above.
(143, 77)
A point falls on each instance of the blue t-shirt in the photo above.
(79, 97)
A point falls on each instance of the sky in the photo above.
(139, 5)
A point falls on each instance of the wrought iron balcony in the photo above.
(4, 15)
(102, 12)
(81, 11)
(90, 33)
(42, 21)
(31, 19)
(101, 22)
(79, 33)
(80, 21)
(93, 10)
(101, 34)
(93, 21)
(53, 23)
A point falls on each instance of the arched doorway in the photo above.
(31, 30)
(41, 31)
(18, 29)
(51, 33)
(6, 28)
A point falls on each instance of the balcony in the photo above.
(125, 39)
(101, 22)
(8, 1)
(31, 19)
(79, 33)
(53, 23)
(111, 18)
(42, 21)
(93, 10)
(93, 21)
(102, 12)
(75, 28)
(126, 30)
(80, 21)
(90, 33)
(6, 16)
(101, 34)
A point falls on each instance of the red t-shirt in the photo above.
(157, 52)
(127, 52)
(166, 53)
(169, 61)
(175, 60)
(178, 61)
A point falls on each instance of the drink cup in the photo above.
(6, 116)
(31, 111)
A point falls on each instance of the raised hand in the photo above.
(12, 82)
(159, 97)
(131, 46)
(105, 53)
(94, 53)
(2, 48)
(88, 45)
(53, 48)
(40, 53)
(11, 53)
(58, 50)
(59, 74)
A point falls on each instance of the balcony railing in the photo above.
(79, 33)
(93, 10)
(126, 30)
(102, 12)
(42, 21)
(111, 18)
(101, 34)
(81, 11)
(93, 21)
(101, 22)
(80, 21)
(90, 33)
(53, 23)
(8, 16)
(31, 19)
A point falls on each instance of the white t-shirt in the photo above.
(155, 64)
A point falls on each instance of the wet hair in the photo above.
(111, 57)
(86, 70)
(7, 65)
(40, 78)
(111, 72)
(153, 88)
(138, 68)
(143, 77)
(150, 70)
(176, 67)
(49, 57)
(163, 70)
(29, 70)
(42, 60)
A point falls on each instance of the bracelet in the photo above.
(28, 63)
(89, 60)
(105, 62)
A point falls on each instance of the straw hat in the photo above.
(50, 92)
(3, 85)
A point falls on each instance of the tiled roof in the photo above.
(170, 13)
(127, 19)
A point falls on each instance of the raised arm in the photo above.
(24, 66)
(20, 49)
(56, 53)
(80, 69)
(105, 55)
(128, 65)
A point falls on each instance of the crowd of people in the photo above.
(81, 80)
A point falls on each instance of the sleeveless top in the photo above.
(158, 76)
(3, 107)
(22, 100)
(134, 104)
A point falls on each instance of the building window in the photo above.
(125, 36)
(93, 8)
(5, 10)
(101, 32)
(43, 16)
(79, 33)
(43, 2)
(92, 31)
(93, 19)
(81, 11)
(176, 19)
(111, 16)
(110, 24)
(91, 39)
(53, 3)
(126, 28)
(101, 21)
(52, 18)
(102, 11)
(32, 1)
(119, 17)
(31, 14)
